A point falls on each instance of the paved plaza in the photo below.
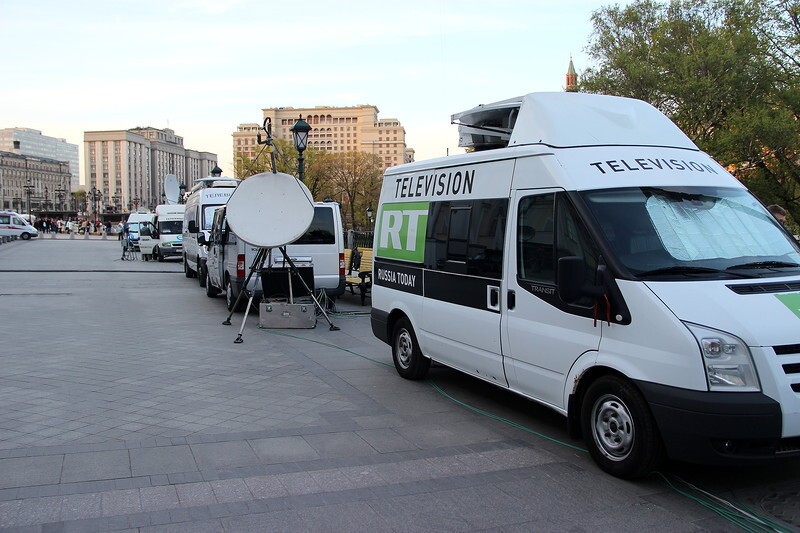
(125, 405)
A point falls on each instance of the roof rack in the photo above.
(214, 181)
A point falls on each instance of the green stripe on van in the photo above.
(792, 301)
(400, 231)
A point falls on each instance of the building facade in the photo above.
(126, 168)
(32, 142)
(334, 129)
(30, 184)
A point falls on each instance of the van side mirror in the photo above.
(201, 238)
(572, 284)
(192, 226)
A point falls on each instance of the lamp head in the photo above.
(300, 133)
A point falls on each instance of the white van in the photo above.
(203, 199)
(12, 224)
(165, 237)
(597, 262)
(321, 247)
(133, 225)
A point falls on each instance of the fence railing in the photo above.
(358, 239)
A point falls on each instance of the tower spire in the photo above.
(572, 77)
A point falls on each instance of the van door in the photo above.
(463, 285)
(542, 335)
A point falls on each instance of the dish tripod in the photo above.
(258, 263)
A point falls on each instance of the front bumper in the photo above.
(718, 427)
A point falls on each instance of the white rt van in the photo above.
(13, 225)
(590, 257)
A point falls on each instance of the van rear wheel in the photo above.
(408, 358)
(211, 290)
(230, 299)
(188, 272)
(619, 429)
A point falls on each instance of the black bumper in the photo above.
(379, 320)
(715, 427)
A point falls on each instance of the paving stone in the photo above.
(283, 449)
(28, 471)
(162, 460)
(79, 506)
(231, 490)
(96, 465)
(223, 455)
(159, 498)
(191, 494)
(118, 502)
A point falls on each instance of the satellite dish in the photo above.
(171, 189)
(270, 210)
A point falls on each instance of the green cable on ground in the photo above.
(504, 420)
(746, 520)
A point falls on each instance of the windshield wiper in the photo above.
(687, 270)
(764, 264)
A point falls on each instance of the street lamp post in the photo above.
(300, 133)
(94, 196)
(28, 191)
(60, 192)
(369, 216)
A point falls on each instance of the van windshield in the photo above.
(170, 227)
(660, 233)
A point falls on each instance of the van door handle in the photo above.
(493, 298)
(511, 299)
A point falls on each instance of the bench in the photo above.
(358, 271)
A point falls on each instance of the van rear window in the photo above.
(321, 230)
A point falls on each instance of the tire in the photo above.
(211, 290)
(230, 299)
(201, 274)
(188, 272)
(25, 236)
(619, 429)
(408, 358)
(157, 255)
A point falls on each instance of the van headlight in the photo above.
(726, 359)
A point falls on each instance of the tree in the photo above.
(726, 71)
(285, 161)
(356, 178)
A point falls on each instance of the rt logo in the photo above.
(401, 231)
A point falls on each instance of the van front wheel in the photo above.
(408, 358)
(25, 236)
(619, 429)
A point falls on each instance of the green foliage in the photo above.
(726, 71)
(352, 178)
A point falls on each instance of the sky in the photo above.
(202, 67)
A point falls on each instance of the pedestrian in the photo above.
(779, 213)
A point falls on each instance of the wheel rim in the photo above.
(613, 429)
(403, 348)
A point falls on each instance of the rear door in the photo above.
(321, 243)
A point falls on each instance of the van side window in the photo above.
(535, 238)
(467, 237)
(5, 219)
(548, 228)
(18, 221)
